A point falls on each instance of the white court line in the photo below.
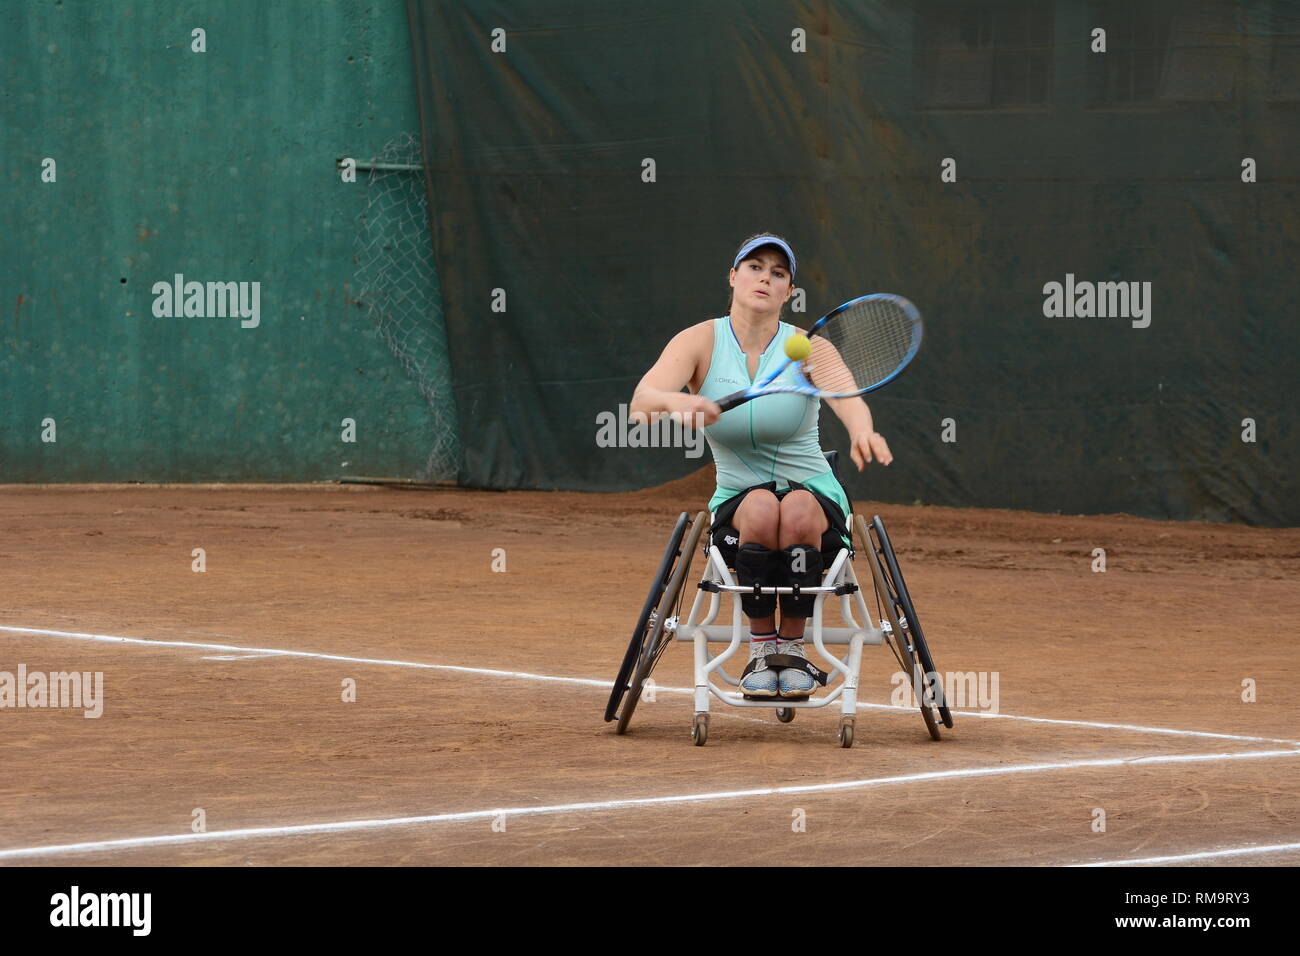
(587, 682)
(985, 715)
(1208, 854)
(260, 653)
(630, 803)
(275, 652)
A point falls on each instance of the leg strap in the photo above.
(802, 564)
(757, 565)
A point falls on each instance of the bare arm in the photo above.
(660, 390)
(827, 371)
(864, 441)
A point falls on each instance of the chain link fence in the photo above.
(397, 284)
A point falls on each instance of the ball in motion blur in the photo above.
(798, 348)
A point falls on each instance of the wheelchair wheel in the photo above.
(785, 714)
(911, 621)
(657, 585)
(899, 637)
(661, 624)
(846, 732)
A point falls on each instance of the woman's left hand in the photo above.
(868, 445)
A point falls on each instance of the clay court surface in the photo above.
(480, 692)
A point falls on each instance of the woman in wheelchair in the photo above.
(779, 512)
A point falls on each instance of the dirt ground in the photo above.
(1120, 693)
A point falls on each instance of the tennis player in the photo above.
(779, 512)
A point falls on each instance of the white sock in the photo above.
(761, 638)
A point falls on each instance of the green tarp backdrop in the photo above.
(131, 157)
(1170, 159)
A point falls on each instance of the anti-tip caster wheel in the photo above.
(700, 729)
(846, 732)
(785, 714)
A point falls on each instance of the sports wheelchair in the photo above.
(660, 622)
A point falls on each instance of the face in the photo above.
(762, 282)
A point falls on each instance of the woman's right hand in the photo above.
(687, 407)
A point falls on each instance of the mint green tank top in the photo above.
(772, 438)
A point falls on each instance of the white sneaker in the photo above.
(757, 679)
(794, 681)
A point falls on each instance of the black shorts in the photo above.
(727, 538)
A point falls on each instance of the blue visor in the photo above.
(765, 241)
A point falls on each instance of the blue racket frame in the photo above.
(805, 387)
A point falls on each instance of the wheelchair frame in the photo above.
(660, 623)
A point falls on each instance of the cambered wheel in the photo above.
(645, 621)
(907, 611)
(898, 636)
(661, 623)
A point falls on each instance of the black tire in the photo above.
(924, 658)
(785, 714)
(927, 712)
(657, 636)
(657, 586)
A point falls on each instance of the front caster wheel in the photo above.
(846, 732)
(785, 714)
(700, 729)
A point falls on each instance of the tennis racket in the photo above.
(857, 348)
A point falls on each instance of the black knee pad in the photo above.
(756, 564)
(802, 564)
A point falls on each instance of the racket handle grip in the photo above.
(729, 402)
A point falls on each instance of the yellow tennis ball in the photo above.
(798, 347)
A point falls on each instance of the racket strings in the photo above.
(872, 339)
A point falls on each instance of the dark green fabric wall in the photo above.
(535, 156)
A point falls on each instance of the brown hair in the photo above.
(731, 297)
